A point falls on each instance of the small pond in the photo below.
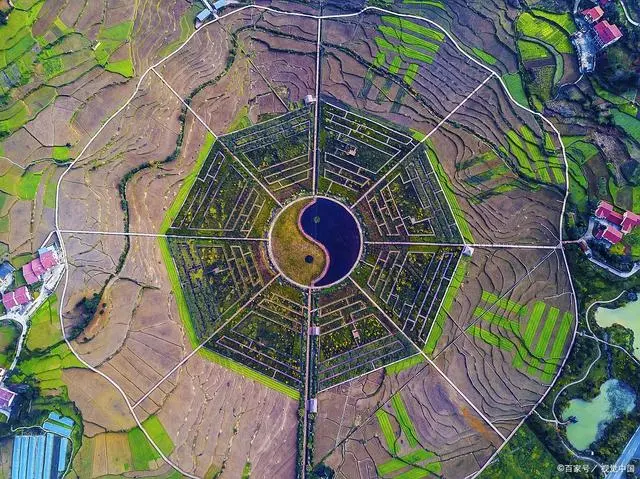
(592, 416)
(333, 226)
(627, 316)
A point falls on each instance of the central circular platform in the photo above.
(315, 242)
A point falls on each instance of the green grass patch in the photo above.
(565, 20)
(120, 32)
(408, 25)
(402, 416)
(513, 83)
(406, 363)
(628, 123)
(484, 56)
(410, 76)
(503, 303)
(122, 67)
(19, 183)
(557, 347)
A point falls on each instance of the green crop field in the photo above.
(142, 452)
(408, 25)
(410, 76)
(503, 303)
(490, 338)
(159, 434)
(387, 430)
(44, 331)
(532, 51)
(447, 189)
(543, 341)
(547, 31)
(406, 424)
(565, 20)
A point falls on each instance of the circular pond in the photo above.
(315, 242)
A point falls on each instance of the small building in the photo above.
(6, 275)
(594, 14)
(314, 331)
(629, 221)
(312, 405)
(467, 251)
(308, 100)
(584, 247)
(6, 398)
(351, 151)
(606, 33)
(203, 15)
(356, 334)
(609, 234)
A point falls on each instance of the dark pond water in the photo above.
(331, 225)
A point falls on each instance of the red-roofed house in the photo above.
(38, 268)
(48, 259)
(605, 211)
(593, 14)
(629, 221)
(29, 276)
(8, 301)
(6, 398)
(606, 33)
(610, 234)
(22, 295)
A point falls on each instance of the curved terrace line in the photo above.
(318, 17)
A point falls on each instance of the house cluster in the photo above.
(594, 34)
(33, 272)
(613, 225)
(6, 398)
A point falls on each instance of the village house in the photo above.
(593, 36)
(616, 224)
(6, 399)
(35, 269)
(17, 298)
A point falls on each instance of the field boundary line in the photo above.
(459, 245)
(421, 142)
(430, 362)
(209, 338)
(160, 235)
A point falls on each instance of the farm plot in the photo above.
(402, 70)
(277, 151)
(425, 428)
(508, 329)
(505, 170)
(223, 201)
(356, 150)
(355, 337)
(410, 205)
(269, 336)
(410, 284)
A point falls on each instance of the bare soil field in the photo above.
(505, 169)
(363, 68)
(350, 438)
